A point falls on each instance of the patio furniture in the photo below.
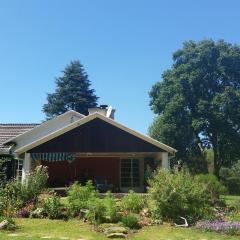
(102, 184)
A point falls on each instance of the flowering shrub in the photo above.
(38, 213)
(230, 228)
(23, 213)
(16, 195)
(179, 194)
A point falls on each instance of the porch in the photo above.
(122, 171)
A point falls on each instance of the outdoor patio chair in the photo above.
(102, 184)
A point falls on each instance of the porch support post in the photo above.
(165, 161)
(26, 166)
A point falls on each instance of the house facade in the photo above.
(76, 147)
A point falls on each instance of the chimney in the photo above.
(105, 110)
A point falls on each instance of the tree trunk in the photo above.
(216, 159)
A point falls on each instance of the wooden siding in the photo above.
(96, 136)
(63, 173)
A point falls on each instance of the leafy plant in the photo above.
(132, 202)
(213, 185)
(231, 178)
(111, 213)
(5, 162)
(131, 221)
(96, 213)
(52, 207)
(174, 195)
(79, 196)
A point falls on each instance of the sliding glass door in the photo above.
(130, 173)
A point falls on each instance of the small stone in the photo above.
(13, 235)
(115, 229)
(116, 235)
(3, 224)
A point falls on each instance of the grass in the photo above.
(74, 229)
(230, 199)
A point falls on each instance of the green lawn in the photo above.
(75, 229)
(230, 199)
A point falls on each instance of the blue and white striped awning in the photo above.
(53, 157)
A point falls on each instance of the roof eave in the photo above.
(87, 119)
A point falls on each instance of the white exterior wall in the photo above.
(46, 128)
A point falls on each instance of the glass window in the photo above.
(130, 176)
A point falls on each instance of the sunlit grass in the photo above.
(75, 229)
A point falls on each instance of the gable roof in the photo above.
(11, 130)
(86, 119)
(46, 128)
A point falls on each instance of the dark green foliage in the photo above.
(6, 162)
(132, 202)
(231, 178)
(73, 92)
(213, 185)
(130, 221)
(174, 195)
(79, 196)
(198, 103)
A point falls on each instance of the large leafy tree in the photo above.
(198, 101)
(73, 92)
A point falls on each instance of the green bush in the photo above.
(132, 202)
(174, 195)
(79, 196)
(52, 207)
(16, 194)
(96, 211)
(130, 221)
(231, 178)
(111, 213)
(213, 185)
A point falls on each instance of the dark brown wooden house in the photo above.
(74, 147)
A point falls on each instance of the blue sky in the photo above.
(124, 45)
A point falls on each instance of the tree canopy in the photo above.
(73, 92)
(198, 102)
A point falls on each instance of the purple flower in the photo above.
(23, 213)
(232, 228)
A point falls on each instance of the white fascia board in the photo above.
(44, 124)
(87, 119)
